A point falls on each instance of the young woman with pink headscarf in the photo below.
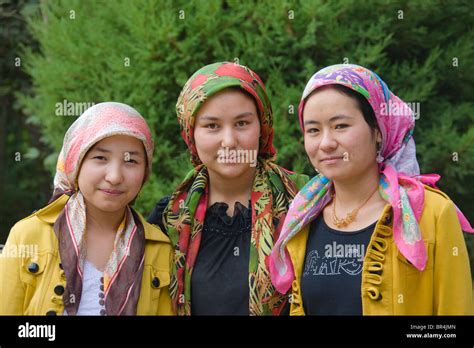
(93, 253)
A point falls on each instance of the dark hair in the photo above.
(362, 102)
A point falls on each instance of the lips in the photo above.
(111, 192)
(330, 159)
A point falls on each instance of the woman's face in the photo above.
(338, 141)
(112, 173)
(226, 133)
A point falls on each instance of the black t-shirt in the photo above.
(332, 274)
(220, 279)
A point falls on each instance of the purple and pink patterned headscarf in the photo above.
(401, 184)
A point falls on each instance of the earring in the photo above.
(379, 157)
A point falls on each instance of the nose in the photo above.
(229, 138)
(114, 174)
(327, 143)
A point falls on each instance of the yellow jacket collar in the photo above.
(50, 213)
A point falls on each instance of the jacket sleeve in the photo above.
(12, 289)
(452, 274)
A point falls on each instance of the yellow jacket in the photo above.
(33, 241)
(390, 284)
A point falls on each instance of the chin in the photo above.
(109, 207)
(333, 174)
(231, 171)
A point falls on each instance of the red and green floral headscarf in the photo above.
(214, 78)
(273, 189)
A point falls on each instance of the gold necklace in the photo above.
(349, 217)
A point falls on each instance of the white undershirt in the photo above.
(89, 304)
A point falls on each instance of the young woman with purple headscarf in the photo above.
(369, 235)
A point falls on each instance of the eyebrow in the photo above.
(132, 153)
(215, 118)
(100, 149)
(332, 119)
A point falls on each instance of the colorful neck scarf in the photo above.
(272, 191)
(123, 272)
(401, 184)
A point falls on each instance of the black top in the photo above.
(332, 274)
(219, 283)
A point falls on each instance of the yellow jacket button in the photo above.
(59, 290)
(33, 267)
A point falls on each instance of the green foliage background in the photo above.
(79, 50)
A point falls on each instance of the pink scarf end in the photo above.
(281, 273)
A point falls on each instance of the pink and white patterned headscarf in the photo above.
(100, 121)
(124, 269)
(401, 184)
